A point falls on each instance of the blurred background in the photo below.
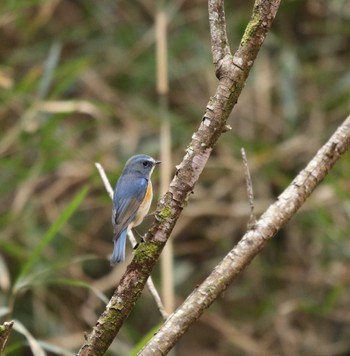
(78, 86)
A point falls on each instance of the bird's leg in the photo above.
(140, 236)
(150, 214)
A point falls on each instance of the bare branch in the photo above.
(219, 42)
(232, 74)
(276, 216)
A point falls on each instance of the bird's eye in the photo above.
(145, 163)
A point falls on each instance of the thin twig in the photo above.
(105, 180)
(133, 243)
(250, 193)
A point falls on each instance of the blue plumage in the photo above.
(129, 197)
(119, 248)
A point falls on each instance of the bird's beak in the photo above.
(157, 162)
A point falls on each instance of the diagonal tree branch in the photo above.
(232, 73)
(276, 216)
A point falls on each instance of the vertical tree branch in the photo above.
(232, 73)
(219, 42)
(276, 216)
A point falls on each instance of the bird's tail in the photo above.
(119, 248)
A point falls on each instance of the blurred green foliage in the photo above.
(77, 85)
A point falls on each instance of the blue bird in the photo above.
(133, 195)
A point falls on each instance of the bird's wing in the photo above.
(128, 196)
